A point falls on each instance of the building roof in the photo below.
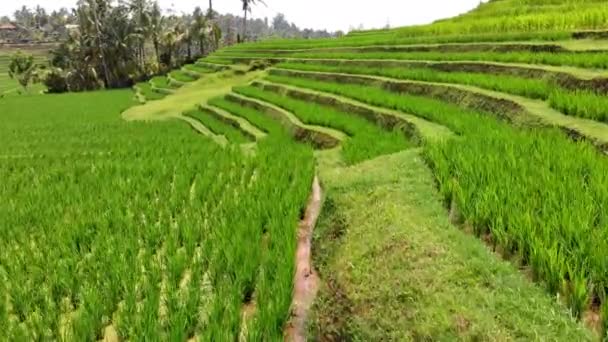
(8, 27)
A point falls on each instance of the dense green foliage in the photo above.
(156, 232)
(133, 224)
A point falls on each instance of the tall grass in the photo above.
(133, 224)
(218, 127)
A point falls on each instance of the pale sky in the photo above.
(318, 14)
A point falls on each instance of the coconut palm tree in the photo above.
(95, 9)
(141, 16)
(247, 4)
(199, 28)
(156, 28)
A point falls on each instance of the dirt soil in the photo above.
(306, 280)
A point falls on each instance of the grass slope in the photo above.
(395, 269)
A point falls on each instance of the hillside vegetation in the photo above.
(462, 169)
(523, 84)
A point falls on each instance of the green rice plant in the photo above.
(510, 20)
(199, 69)
(596, 60)
(261, 121)
(213, 60)
(131, 224)
(393, 39)
(533, 88)
(366, 140)
(146, 90)
(181, 76)
(218, 127)
(162, 82)
(581, 103)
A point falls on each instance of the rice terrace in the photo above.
(207, 176)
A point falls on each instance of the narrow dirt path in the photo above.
(306, 280)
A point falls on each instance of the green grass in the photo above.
(132, 224)
(505, 20)
(215, 61)
(393, 268)
(218, 127)
(261, 121)
(190, 96)
(146, 90)
(181, 76)
(199, 69)
(365, 141)
(162, 82)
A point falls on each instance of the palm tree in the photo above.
(141, 18)
(171, 39)
(247, 4)
(199, 28)
(156, 28)
(94, 9)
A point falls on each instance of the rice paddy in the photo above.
(463, 167)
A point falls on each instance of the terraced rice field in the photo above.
(460, 172)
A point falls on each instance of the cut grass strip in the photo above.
(218, 127)
(365, 141)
